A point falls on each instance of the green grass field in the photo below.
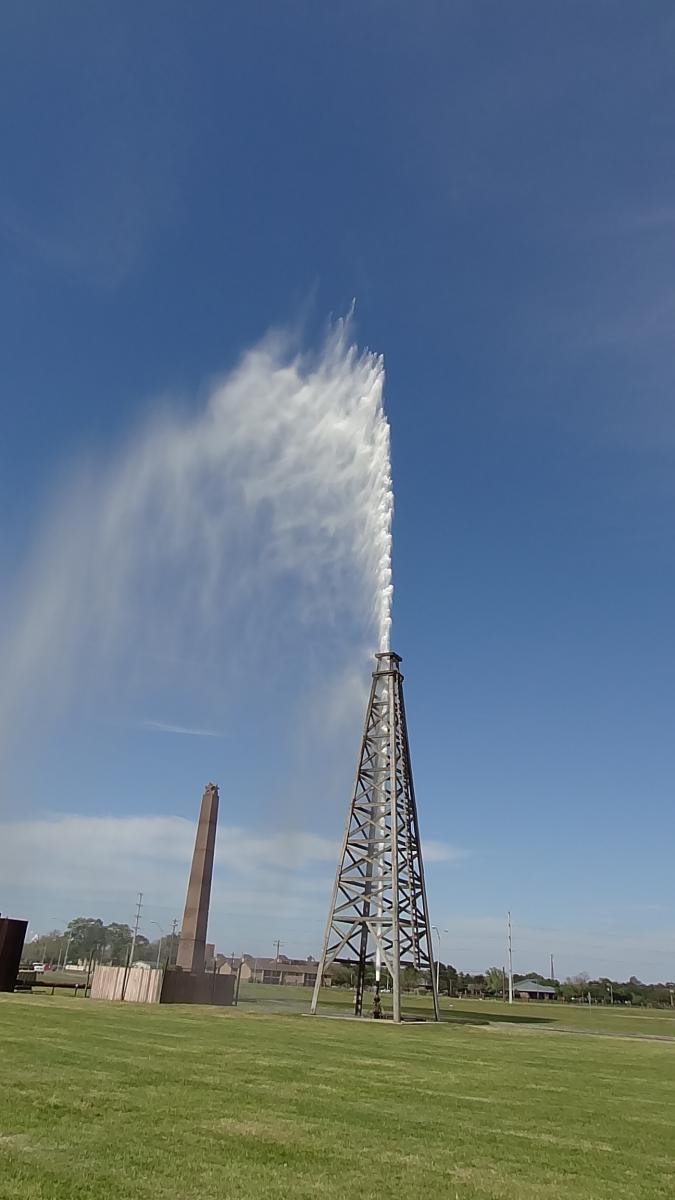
(598, 1019)
(124, 1101)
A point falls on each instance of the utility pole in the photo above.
(172, 948)
(552, 976)
(510, 958)
(139, 905)
(130, 959)
(278, 945)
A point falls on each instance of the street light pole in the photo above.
(510, 960)
(437, 931)
(161, 939)
(65, 957)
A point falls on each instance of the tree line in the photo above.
(88, 937)
(574, 989)
(493, 984)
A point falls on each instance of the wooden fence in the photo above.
(142, 985)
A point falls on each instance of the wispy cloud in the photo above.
(68, 238)
(438, 852)
(117, 184)
(64, 863)
(85, 848)
(640, 219)
(476, 941)
(163, 727)
(57, 866)
(270, 884)
(76, 845)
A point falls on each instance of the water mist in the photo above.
(258, 516)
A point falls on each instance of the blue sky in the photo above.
(494, 184)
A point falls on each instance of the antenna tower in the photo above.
(379, 913)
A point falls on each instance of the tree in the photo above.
(341, 975)
(447, 979)
(118, 942)
(410, 979)
(470, 984)
(150, 952)
(142, 950)
(46, 948)
(87, 934)
(494, 981)
(170, 948)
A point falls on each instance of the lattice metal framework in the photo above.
(379, 912)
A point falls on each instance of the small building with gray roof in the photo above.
(532, 989)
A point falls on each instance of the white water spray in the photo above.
(215, 531)
(385, 512)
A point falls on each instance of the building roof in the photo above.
(531, 985)
(293, 966)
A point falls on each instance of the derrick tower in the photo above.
(379, 913)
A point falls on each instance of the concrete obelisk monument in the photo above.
(192, 944)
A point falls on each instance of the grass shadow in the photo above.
(340, 1003)
(464, 1016)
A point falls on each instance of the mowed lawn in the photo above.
(618, 1020)
(125, 1101)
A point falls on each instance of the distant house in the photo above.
(297, 972)
(231, 965)
(531, 989)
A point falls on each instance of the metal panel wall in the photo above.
(12, 938)
(180, 987)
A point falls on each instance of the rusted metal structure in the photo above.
(12, 938)
(379, 912)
